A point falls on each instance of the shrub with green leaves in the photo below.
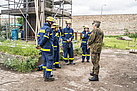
(131, 35)
(21, 65)
(2, 39)
(28, 53)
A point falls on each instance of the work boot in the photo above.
(39, 69)
(82, 61)
(58, 67)
(92, 74)
(53, 69)
(94, 78)
(50, 76)
(72, 63)
(67, 63)
(88, 61)
(48, 79)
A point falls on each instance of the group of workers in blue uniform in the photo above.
(48, 43)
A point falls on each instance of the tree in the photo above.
(20, 20)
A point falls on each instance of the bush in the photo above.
(20, 65)
(29, 55)
(131, 35)
(20, 20)
(2, 39)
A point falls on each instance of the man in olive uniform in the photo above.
(95, 42)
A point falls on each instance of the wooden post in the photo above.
(80, 36)
(37, 19)
(75, 35)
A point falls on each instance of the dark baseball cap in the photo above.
(95, 21)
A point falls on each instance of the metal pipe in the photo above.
(71, 13)
(4, 7)
(59, 9)
(9, 18)
(14, 16)
(0, 23)
(62, 16)
(18, 4)
(52, 6)
(26, 18)
(6, 30)
(19, 1)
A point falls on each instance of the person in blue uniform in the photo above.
(45, 42)
(67, 37)
(86, 51)
(56, 35)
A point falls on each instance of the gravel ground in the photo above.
(118, 72)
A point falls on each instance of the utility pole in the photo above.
(102, 8)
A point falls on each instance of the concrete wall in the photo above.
(109, 22)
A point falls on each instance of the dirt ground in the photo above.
(118, 72)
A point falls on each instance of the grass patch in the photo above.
(17, 48)
(112, 42)
(28, 55)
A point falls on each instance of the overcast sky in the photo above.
(93, 7)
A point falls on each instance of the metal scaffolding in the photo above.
(34, 13)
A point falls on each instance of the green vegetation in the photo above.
(28, 55)
(113, 42)
(131, 35)
(78, 51)
(17, 48)
(2, 39)
(21, 65)
(61, 57)
(3, 29)
(20, 20)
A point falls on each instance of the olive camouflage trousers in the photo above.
(95, 58)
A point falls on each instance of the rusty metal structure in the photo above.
(34, 13)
